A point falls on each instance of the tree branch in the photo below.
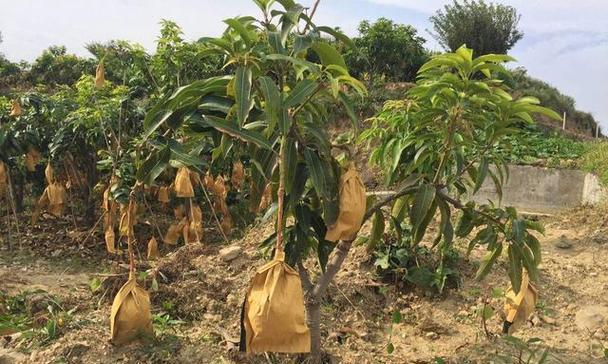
(304, 277)
(343, 247)
(457, 204)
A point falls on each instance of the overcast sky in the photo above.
(565, 43)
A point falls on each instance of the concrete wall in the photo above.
(537, 189)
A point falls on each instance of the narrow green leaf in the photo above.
(248, 36)
(242, 87)
(482, 172)
(378, 226)
(423, 201)
(300, 93)
(233, 130)
(488, 261)
(328, 54)
(515, 268)
(339, 36)
(154, 166)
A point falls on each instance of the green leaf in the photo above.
(350, 110)
(515, 267)
(216, 103)
(291, 157)
(315, 169)
(328, 54)
(488, 261)
(339, 36)
(179, 155)
(302, 43)
(544, 111)
(466, 224)
(482, 172)
(301, 92)
(248, 36)
(378, 227)
(276, 42)
(95, 285)
(233, 130)
(423, 200)
(530, 263)
(272, 96)
(154, 166)
(517, 230)
(242, 87)
(305, 65)
(486, 312)
(396, 317)
(534, 246)
(184, 101)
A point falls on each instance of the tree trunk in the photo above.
(17, 183)
(19, 197)
(89, 198)
(313, 316)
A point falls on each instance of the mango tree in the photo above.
(440, 144)
(273, 103)
(93, 127)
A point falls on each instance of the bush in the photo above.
(595, 160)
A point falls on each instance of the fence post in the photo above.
(564, 122)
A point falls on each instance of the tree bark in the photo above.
(92, 180)
(313, 316)
(19, 196)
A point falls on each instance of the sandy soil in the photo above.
(199, 288)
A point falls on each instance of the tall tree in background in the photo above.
(485, 28)
(55, 66)
(385, 48)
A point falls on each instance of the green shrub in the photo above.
(595, 160)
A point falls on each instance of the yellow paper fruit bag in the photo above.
(183, 183)
(352, 207)
(163, 195)
(274, 318)
(32, 158)
(152, 249)
(100, 76)
(519, 307)
(15, 109)
(3, 180)
(130, 318)
(238, 174)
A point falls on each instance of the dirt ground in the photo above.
(200, 292)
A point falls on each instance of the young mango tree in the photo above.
(93, 124)
(273, 107)
(440, 145)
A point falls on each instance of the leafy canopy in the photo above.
(271, 109)
(384, 48)
(439, 144)
(486, 28)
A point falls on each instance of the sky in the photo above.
(565, 42)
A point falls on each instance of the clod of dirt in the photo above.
(8, 356)
(38, 303)
(591, 318)
(563, 243)
(230, 253)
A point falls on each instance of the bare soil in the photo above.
(203, 292)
